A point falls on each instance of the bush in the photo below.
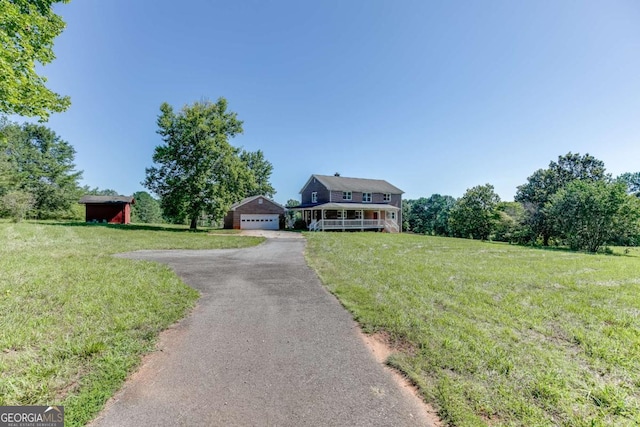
(17, 204)
(300, 224)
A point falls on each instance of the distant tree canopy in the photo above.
(573, 202)
(36, 161)
(197, 170)
(146, 209)
(429, 215)
(510, 216)
(587, 214)
(631, 182)
(27, 31)
(260, 174)
(544, 183)
(99, 192)
(474, 215)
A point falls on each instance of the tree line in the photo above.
(196, 173)
(572, 202)
(39, 180)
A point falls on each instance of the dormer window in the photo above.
(366, 197)
(346, 195)
(314, 197)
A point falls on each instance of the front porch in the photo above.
(350, 217)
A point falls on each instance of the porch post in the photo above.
(343, 215)
(362, 220)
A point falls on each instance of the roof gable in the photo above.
(251, 199)
(362, 185)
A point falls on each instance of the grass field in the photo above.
(74, 321)
(495, 334)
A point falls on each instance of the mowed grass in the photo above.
(494, 334)
(74, 320)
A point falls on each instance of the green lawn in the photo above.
(74, 321)
(495, 334)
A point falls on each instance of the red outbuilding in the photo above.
(111, 209)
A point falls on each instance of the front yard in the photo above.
(74, 320)
(495, 334)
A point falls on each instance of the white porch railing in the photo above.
(352, 224)
(391, 227)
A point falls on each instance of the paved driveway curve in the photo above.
(267, 345)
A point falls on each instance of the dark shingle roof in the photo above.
(106, 199)
(364, 185)
(252, 198)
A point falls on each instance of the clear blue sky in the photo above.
(433, 96)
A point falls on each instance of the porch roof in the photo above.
(349, 207)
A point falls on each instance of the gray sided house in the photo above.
(341, 203)
(255, 213)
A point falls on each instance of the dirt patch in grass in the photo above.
(382, 345)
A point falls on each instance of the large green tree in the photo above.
(261, 170)
(40, 163)
(431, 215)
(510, 217)
(146, 209)
(632, 182)
(27, 31)
(198, 172)
(474, 215)
(588, 214)
(7, 176)
(544, 183)
(16, 204)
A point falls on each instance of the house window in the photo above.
(314, 197)
(358, 214)
(341, 214)
(386, 197)
(393, 215)
(366, 197)
(346, 195)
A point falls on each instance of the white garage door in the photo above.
(259, 222)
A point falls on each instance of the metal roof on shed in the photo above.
(106, 199)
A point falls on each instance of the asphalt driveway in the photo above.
(267, 345)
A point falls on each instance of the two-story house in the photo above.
(341, 203)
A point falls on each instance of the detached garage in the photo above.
(255, 213)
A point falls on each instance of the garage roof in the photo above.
(251, 199)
